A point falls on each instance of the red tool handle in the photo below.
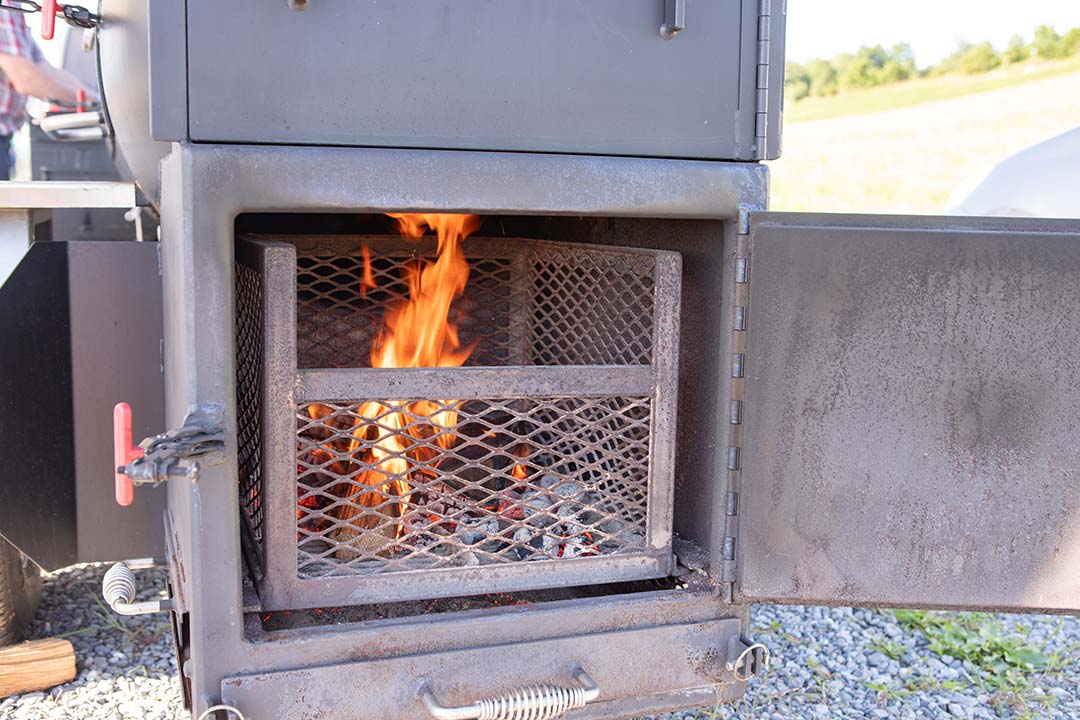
(123, 453)
(80, 100)
(48, 19)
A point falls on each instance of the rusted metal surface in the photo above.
(912, 434)
(625, 665)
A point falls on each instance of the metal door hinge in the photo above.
(737, 409)
(761, 80)
(175, 453)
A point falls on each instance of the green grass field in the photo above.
(906, 148)
(925, 90)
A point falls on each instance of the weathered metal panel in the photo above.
(81, 324)
(115, 293)
(911, 425)
(629, 665)
(579, 77)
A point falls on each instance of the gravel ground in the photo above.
(827, 663)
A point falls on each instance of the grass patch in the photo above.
(915, 92)
(1005, 663)
(889, 648)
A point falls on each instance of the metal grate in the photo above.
(526, 303)
(249, 359)
(476, 482)
(549, 462)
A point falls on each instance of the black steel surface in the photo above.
(37, 455)
(911, 426)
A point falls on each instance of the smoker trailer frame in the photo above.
(943, 345)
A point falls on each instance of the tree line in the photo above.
(874, 66)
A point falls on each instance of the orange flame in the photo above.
(416, 333)
(518, 472)
(367, 280)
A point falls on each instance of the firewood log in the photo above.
(35, 665)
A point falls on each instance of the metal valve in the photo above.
(119, 589)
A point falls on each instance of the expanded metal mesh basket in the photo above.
(545, 461)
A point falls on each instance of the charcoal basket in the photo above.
(546, 460)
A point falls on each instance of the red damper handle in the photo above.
(48, 19)
(123, 453)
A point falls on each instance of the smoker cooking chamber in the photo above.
(555, 469)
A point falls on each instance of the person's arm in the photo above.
(26, 68)
(40, 79)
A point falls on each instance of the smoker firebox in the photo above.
(546, 461)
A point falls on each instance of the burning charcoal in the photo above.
(470, 537)
(468, 559)
(549, 481)
(546, 544)
(568, 489)
(568, 509)
(536, 503)
(473, 530)
(575, 547)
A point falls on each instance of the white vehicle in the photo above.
(1040, 181)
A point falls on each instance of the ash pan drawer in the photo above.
(630, 668)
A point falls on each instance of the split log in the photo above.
(35, 665)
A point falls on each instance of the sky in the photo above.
(934, 28)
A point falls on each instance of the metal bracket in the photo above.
(747, 659)
(761, 85)
(174, 453)
(737, 410)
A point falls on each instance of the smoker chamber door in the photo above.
(912, 412)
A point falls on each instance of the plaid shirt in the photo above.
(15, 39)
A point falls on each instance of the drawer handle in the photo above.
(531, 702)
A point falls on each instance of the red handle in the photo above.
(123, 453)
(48, 19)
(80, 100)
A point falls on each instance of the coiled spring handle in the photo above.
(532, 702)
(119, 588)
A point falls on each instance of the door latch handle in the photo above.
(674, 18)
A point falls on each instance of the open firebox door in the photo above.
(911, 412)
